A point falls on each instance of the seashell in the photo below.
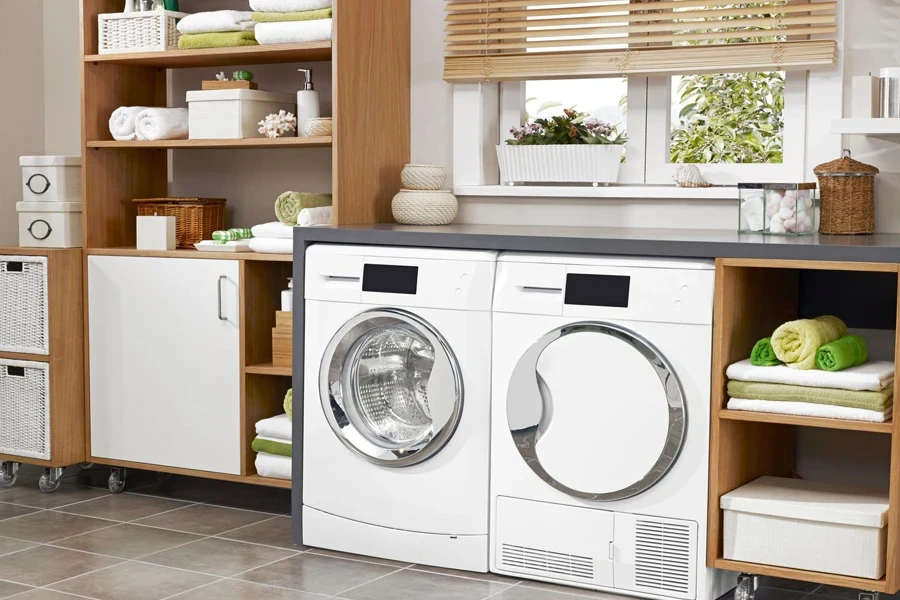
(688, 176)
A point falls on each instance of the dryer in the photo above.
(397, 403)
(600, 423)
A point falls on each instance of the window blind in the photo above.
(501, 40)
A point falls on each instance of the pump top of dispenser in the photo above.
(308, 84)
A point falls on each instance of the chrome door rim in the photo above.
(525, 387)
(330, 386)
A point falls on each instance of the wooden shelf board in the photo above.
(819, 265)
(287, 142)
(268, 481)
(191, 254)
(869, 585)
(253, 479)
(220, 57)
(268, 369)
(758, 417)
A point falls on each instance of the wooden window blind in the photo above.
(503, 40)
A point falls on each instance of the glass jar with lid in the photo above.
(777, 208)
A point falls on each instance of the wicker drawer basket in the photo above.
(195, 218)
(24, 326)
(25, 409)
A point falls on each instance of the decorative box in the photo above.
(49, 224)
(148, 31)
(233, 114)
(777, 208)
(156, 233)
(51, 178)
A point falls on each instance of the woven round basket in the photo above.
(421, 207)
(848, 196)
(423, 177)
(318, 127)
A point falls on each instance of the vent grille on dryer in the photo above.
(518, 558)
(663, 557)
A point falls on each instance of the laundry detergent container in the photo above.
(51, 178)
(788, 523)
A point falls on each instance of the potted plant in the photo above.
(568, 148)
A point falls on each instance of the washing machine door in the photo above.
(391, 388)
(596, 411)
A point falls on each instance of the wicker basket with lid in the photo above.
(848, 196)
(195, 218)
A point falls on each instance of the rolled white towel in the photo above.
(162, 124)
(293, 32)
(274, 230)
(216, 21)
(288, 5)
(314, 217)
(122, 121)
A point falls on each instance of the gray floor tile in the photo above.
(468, 574)
(372, 559)
(8, 589)
(203, 519)
(9, 545)
(44, 565)
(49, 526)
(230, 589)
(520, 592)
(128, 541)
(215, 556)
(66, 494)
(124, 507)
(423, 586)
(133, 581)
(10, 511)
(317, 574)
(274, 532)
(42, 594)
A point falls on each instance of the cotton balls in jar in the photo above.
(789, 211)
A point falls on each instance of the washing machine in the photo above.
(600, 442)
(396, 430)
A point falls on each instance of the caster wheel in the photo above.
(48, 484)
(7, 480)
(117, 481)
(85, 466)
(746, 588)
(163, 477)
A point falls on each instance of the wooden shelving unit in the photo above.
(268, 369)
(296, 142)
(755, 417)
(219, 57)
(187, 253)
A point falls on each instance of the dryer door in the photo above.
(391, 388)
(596, 411)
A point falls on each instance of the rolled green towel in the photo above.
(763, 355)
(289, 204)
(848, 351)
(232, 235)
(795, 343)
(777, 392)
(289, 404)
(270, 446)
(228, 39)
(300, 15)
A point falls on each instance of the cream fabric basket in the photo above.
(23, 305)
(25, 409)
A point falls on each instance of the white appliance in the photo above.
(600, 423)
(397, 403)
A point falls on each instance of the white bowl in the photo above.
(423, 177)
(424, 207)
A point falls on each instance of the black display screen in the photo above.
(390, 279)
(597, 290)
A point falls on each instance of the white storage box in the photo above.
(23, 305)
(49, 224)
(51, 178)
(25, 409)
(788, 523)
(233, 114)
(150, 31)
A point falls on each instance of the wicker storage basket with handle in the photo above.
(195, 218)
(848, 196)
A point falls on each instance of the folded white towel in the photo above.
(874, 376)
(216, 21)
(162, 124)
(276, 467)
(272, 246)
(293, 32)
(314, 217)
(808, 409)
(288, 5)
(274, 230)
(122, 121)
(277, 428)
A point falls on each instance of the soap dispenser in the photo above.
(308, 106)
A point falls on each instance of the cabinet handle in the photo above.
(219, 289)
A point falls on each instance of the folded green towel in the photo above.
(302, 15)
(228, 39)
(746, 390)
(796, 342)
(848, 351)
(289, 204)
(763, 355)
(289, 404)
(271, 447)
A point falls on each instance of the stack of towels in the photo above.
(217, 29)
(292, 209)
(292, 21)
(143, 123)
(813, 368)
(273, 443)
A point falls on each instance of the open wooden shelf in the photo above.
(758, 417)
(191, 254)
(220, 57)
(268, 369)
(868, 585)
(287, 142)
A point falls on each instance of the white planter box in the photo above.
(49, 224)
(51, 178)
(233, 114)
(788, 523)
(593, 164)
(153, 31)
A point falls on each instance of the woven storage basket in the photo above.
(23, 305)
(319, 127)
(25, 409)
(848, 196)
(420, 207)
(153, 31)
(423, 177)
(195, 218)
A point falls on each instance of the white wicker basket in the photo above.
(23, 305)
(420, 207)
(151, 31)
(25, 409)
(423, 177)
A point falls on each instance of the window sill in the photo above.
(613, 192)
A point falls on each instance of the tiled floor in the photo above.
(194, 539)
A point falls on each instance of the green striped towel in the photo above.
(270, 446)
(232, 235)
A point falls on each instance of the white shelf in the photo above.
(612, 192)
(883, 129)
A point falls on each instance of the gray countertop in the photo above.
(696, 243)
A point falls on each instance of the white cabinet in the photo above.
(165, 361)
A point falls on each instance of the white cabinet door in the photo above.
(165, 361)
